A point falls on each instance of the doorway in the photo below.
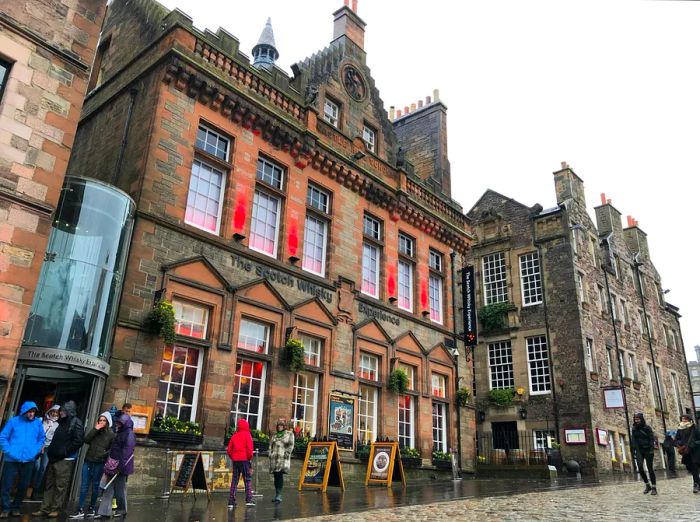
(505, 435)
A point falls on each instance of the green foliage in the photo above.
(258, 435)
(410, 452)
(398, 381)
(175, 425)
(161, 321)
(502, 396)
(556, 445)
(493, 316)
(442, 455)
(363, 451)
(294, 354)
(463, 395)
(300, 444)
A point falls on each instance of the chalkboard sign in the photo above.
(321, 467)
(191, 473)
(384, 465)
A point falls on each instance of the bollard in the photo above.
(255, 473)
(166, 477)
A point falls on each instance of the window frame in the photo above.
(206, 165)
(439, 426)
(504, 376)
(268, 332)
(530, 279)
(178, 302)
(538, 363)
(494, 278)
(441, 385)
(410, 371)
(235, 398)
(271, 197)
(7, 65)
(361, 367)
(372, 240)
(589, 354)
(197, 383)
(411, 422)
(370, 144)
(322, 224)
(333, 120)
(308, 354)
(373, 403)
(305, 405)
(408, 287)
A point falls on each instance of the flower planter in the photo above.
(261, 446)
(175, 437)
(411, 462)
(442, 464)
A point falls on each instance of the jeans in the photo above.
(240, 467)
(10, 471)
(647, 457)
(92, 473)
(39, 469)
(117, 489)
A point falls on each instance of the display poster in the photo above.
(321, 467)
(341, 419)
(384, 465)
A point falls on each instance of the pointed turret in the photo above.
(265, 53)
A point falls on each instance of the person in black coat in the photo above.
(688, 444)
(643, 447)
(669, 447)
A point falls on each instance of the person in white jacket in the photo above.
(50, 424)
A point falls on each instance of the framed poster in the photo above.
(614, 398)
(601, 436)
(321, 467)
(384, 465)
(141, 415)
(575, 436)
(341, 420)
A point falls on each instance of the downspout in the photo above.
(555, 403)
(687, 369)
(125, 135)
(636, 265)
(455, 337)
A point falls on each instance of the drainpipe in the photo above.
(122, 148)
(617, 353)
(687, 369)
(636, 265)
(455, 338)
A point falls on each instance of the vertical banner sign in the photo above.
(469, 306)
(341, 419)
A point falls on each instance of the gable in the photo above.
(261, 291)
(408, 341)
(372, 330)
(198, 270)
(442, 354)
(314, 309)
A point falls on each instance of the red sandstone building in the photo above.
(271, 207)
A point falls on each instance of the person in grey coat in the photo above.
(281, 447)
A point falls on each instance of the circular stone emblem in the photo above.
(354, 83)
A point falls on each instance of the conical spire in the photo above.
(265, 53)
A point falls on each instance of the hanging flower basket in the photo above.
(463, 395)
(294, 355)
(398, 381)
(161, 321)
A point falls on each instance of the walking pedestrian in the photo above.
(21, 441)
(62, 452)
(281, 447)
(99, 440)
(50, 424)
(120, 462)
(240, 450)
(643, 447)
(669, 448)
(688, 443)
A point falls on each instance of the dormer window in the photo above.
(369, 135)
(331, 112)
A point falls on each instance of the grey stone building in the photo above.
(575, 333)
(694, 371)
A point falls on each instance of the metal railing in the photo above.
(514, 448)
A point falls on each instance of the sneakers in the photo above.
(15, 513)
(5, 514)
(696, 488)
(39, 513)
(250, 502)
(231, 506)
(90, 512)
(53, 514)
(647, 489)
(653, 490)
(78, 514)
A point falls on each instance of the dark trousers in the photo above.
(279, 481)
(10, 471)
(692, 469)
(57, 485)
(671, 459)
(92, 473)
(240, 467)
(647, 457)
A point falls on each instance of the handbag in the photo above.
(111, 466)
(682, 450)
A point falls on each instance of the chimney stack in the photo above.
(347, 23)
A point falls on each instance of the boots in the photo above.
(696, 488)
(647, 488)
(653, 490)
(278, 495)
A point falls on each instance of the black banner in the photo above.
(469, 306)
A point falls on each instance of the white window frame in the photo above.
(372, 228)
(624, 312)
(631, 366)
(370, 269)
(677, 392)
(369, 363)
(539, 373)
(439, 418)
(655, 399)
(313, 348)
(369, 136)
(186, 315)
(270, 173)
(331, 112)
(237, 396)
(439, 384)
(213, 148)
(405, 285)
(169, 381)
(318, 199)
(369, 396)
(589, 354)
(199, 166)
(495, 278)
(542, 439)
(255, 219)
(407, 245)
(603, 300)
(435, 260)
(244, 336)
(611, 443)
(621, 364)
(411, 373)
(580, 287)
(613, 306)
(609, 360)
(435, 296)
(306, 384)
(623, 446)
(315, 232)
(530, 279)
(406, 418)
(501, 373)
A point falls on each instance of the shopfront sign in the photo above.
(379, 315)
(469, 306)
(52, 356)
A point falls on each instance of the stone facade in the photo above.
(187, 83)
(575, 327)
(47, 51)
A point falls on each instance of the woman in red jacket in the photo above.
(240, 450)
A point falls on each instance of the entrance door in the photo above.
(49, 386)
(505, 435)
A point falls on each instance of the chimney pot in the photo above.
(436, 95)
(603, 201)
(398, 113)
(564, 165)
(427, 100)
(413, 107)
(420, 103)
(392, 112)
(630, 221)
(405, 110)
(354, 5)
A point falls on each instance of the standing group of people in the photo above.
(240, 450)
(686, 442)
(36, 451)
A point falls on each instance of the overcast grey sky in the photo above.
(612, 87)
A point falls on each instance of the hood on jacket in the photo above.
(242, 425)
(125, 422)
(642, 422)
(70, 408)
(29, 405)
(55, 408)
(107, 416)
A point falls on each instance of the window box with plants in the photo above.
(442, 460)
(501, 397)
(175, 431)
(261, 441)
(300, 444)
(410, 458)
(362, 452)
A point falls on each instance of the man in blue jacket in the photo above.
(21, 441)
